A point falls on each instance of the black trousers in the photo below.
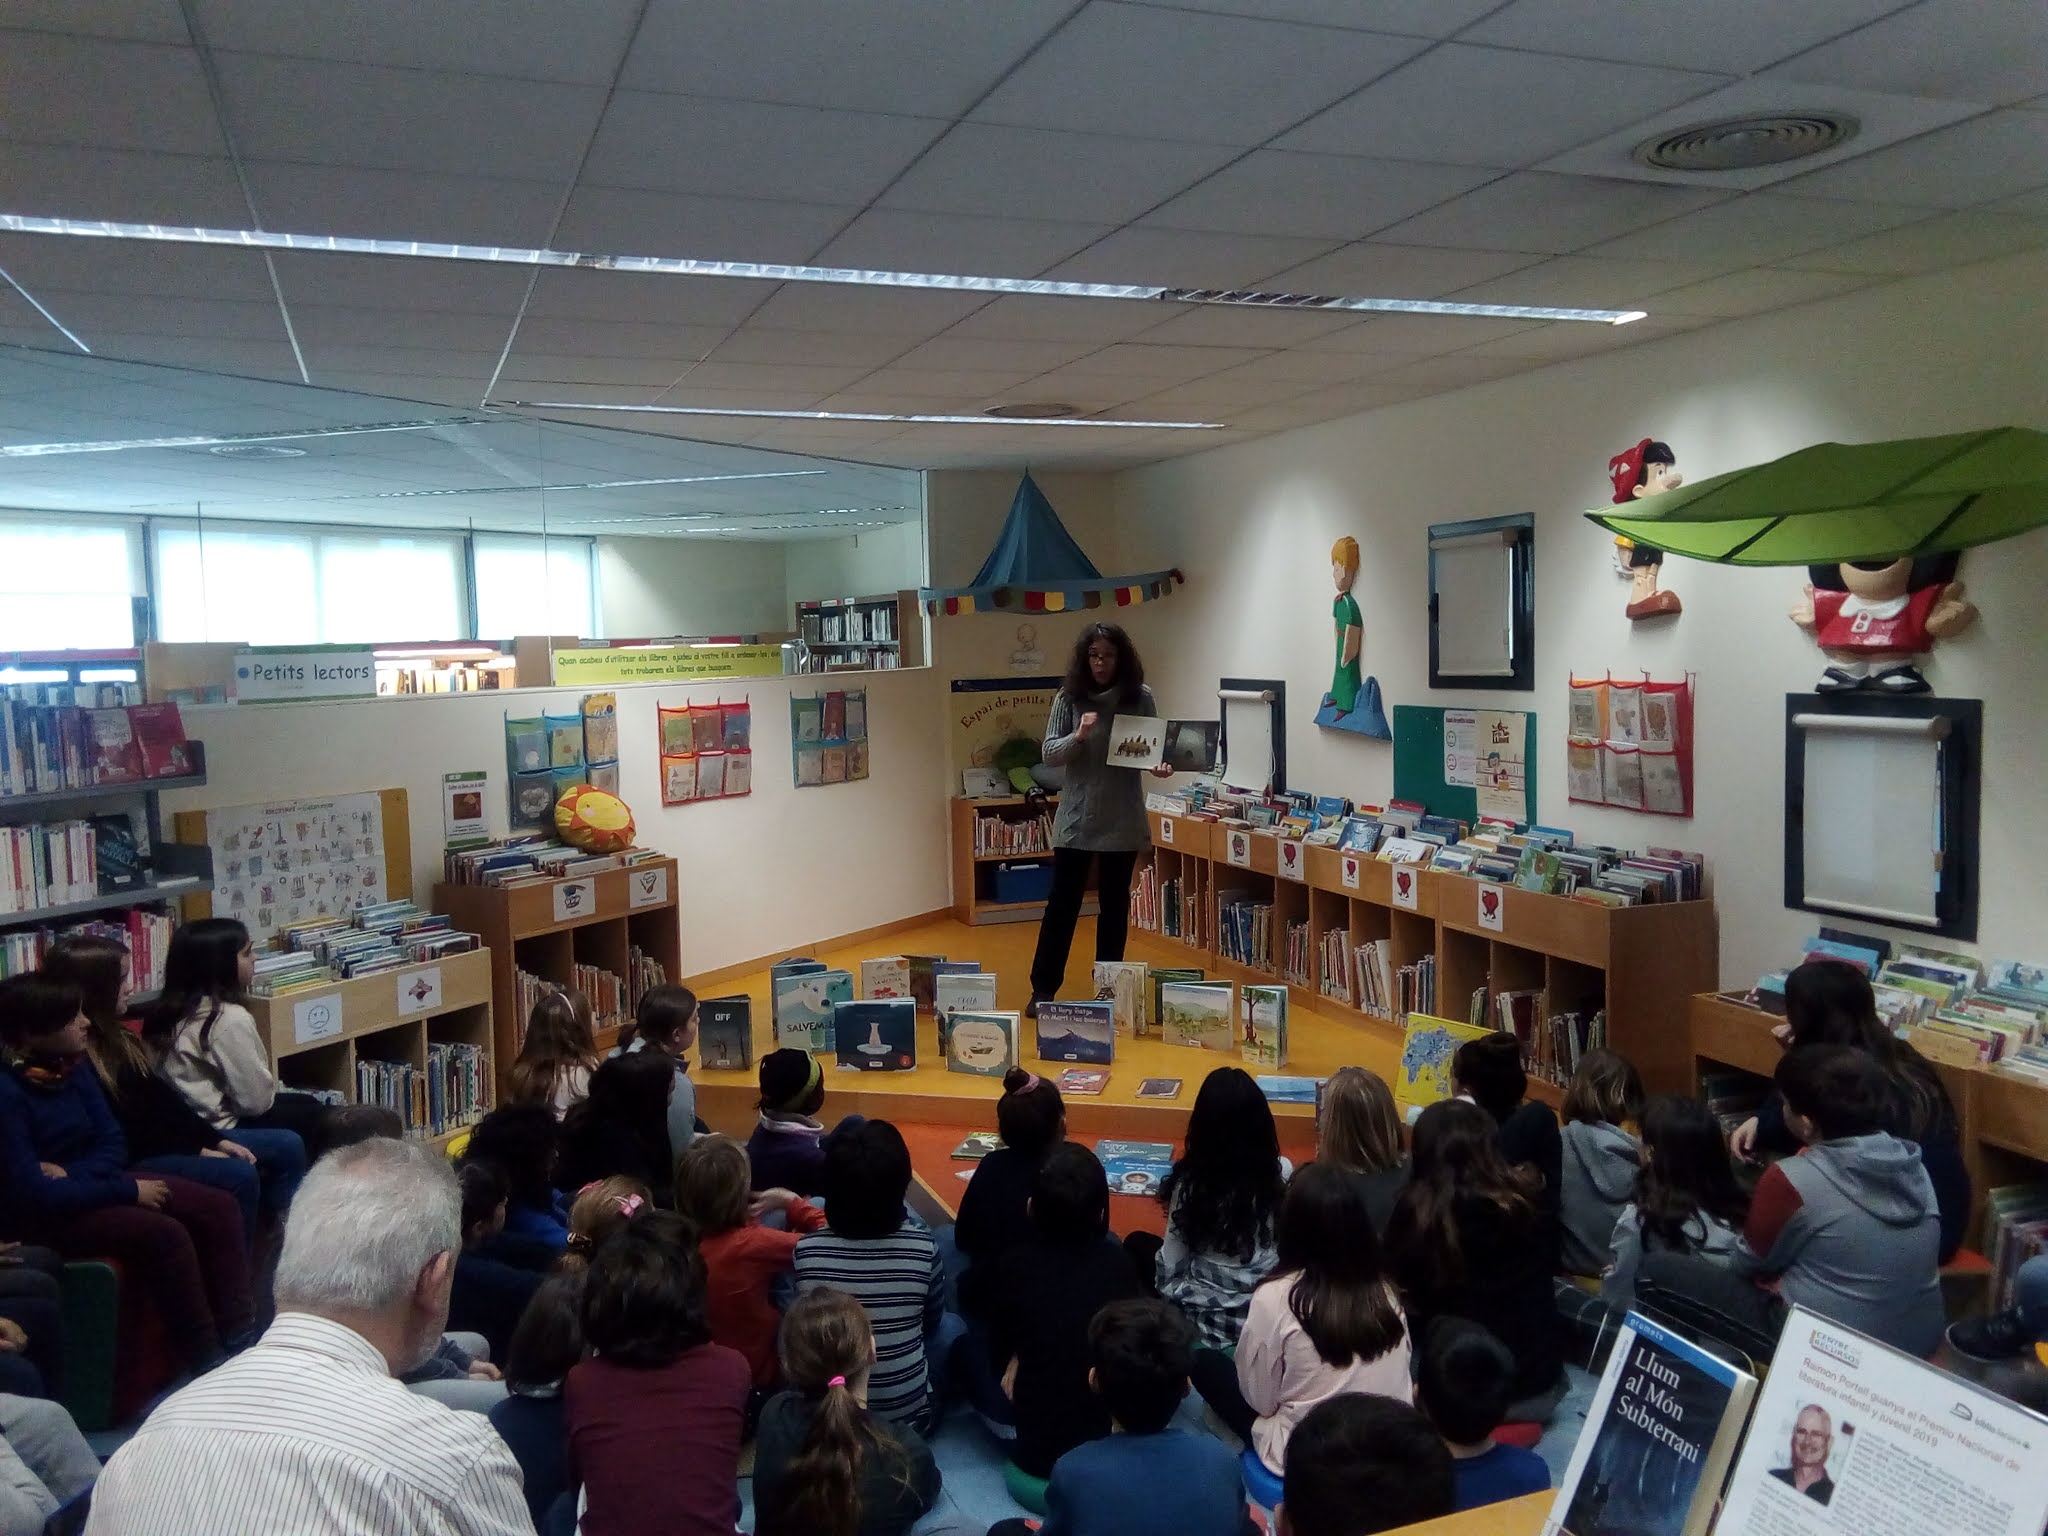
(1215, 1377)
(1063, 910)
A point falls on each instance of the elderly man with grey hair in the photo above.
(310, 1431)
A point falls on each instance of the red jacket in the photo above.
(738, 1267)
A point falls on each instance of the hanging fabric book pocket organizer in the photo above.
(601, 741)
(1629, 744)
(706, 752)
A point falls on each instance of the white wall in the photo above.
(1252, 525)
(778, 870)
(867, 564)
(656, 587)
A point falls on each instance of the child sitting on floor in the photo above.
(742, 1258)
(621, 1128)
(1148, 1479)
(823, 1464)
(1032, 1119)
(1360, 1464)
(558, 1054)
(1686, 1199)
(1463, 1387)
(666, 1022)
(1599, 1158)
(787, 1148)
(600, 1208)
(545, 1345)
(521, 1140)
(487, 1295)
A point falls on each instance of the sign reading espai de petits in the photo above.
(664, 663)
(338, 672)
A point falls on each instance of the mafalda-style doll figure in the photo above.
(1648, 469)
(1875, 619)
(1353, 702)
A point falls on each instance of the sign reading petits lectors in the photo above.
(665, 663)
(340, 673)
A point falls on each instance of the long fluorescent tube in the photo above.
(950, 421)
(116, 445)
(584, 485)
(775, 272)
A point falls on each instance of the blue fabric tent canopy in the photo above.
(1036, 567)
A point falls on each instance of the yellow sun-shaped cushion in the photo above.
(594, 820)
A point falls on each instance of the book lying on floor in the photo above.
(1288, 1090)
(1134, 1167)
(725, 1034)
(978, 1145)
(1083, 1082)
(1659, 1436)
(1159, 1088)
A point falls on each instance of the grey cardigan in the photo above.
(1102, 809)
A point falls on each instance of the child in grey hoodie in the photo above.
(1686, 1200)
(1600, 1158)
(1850, 1227)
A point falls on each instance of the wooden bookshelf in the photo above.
(2003, 1117)
(974, 898)
(316, 1034)
(548, 928)
(1641, 964)
(904, 646)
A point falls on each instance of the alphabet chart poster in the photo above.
(298, 861)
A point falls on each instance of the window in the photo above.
(68, 586)
(534, 586)
(1482, 604)
(297, 586)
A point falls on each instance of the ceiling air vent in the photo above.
(1034, 410)
(1744, 143)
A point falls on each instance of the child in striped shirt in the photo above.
(872, 1249)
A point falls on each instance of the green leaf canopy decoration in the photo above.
(1853, 501)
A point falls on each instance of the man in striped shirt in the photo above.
(871, 1249)
(309, 1431)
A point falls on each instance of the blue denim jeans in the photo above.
(280, 1158)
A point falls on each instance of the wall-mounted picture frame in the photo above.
(1482, 603)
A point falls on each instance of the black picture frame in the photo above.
(1518, 533)
(1961, 799)
(1277, 687)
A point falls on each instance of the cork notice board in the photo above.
(296, 861)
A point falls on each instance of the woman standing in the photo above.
(1102, 809)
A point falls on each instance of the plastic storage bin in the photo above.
(1027, 881)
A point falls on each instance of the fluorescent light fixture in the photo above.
(117, 445)
(775, 272)
(36, 304)
(890, 416)
(586, 485)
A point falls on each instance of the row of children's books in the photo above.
(385, 936)
(59, 736)
(147, 936)
(1954, 1008)
(2015, 1230)
(995, 835)
(452, 1091)
(48, 864)
(532, 859)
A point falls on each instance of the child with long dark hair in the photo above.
(1489, 1072)
(823, 1464)
(558, 1055)
(207, 1043)
(654, 1382)
(523, 1141)
(665, 1021)
(1326, 1323)
(64, 1179)
(1599, 1158)
(1829, 1002)
(1032, 1119)
(1222, 1200)
(1686, 1199)
(621, 1128)
(546, 1345)
(1463, 1242)
(487, 1295)
(742, 1258)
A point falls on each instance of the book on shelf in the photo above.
(1012, 836)
(1135, 1167)
(1121, 984)
(61, 736)
(452, 1091)
(802, 1004)
(725, 1034)
(875, 1035)
(1663, 1427)
(1081, 1031)
(1262, 1011)
(48, 864)
(1083, 1082)
(146, 935)
(2015, 1230)
(1199, 1014)
(981, 1042)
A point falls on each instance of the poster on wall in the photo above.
(1629, 744)
(707, 751)
(1499, 767)
(295, 861)
(828, 738)
(999, 726)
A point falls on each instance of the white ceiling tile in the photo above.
(1737, 36)
(1561, 341)
(259, 358)
(1323, 405)
(1762, 227)
(412, 362)
(1031, 173)
(519, 387)
(1587, 282)
(1145, 255)
(105, 95)
(632, 297)
(405, 119)
(1410, 18)
(1946, 240)
(1463, 105)
(760, 344)
(1243, 325)
(119, 266)
(1147, 73)
(338, 325)
(403, 388)
(1454, 371)
(932, 58)
(558, 368)
(402, 205)
(965, 386)
(1301, 367)
(1099, 392)
(1966, 49)
(1418, 335)
(751, 149)
(390, 282)
(580, 44)
(120, 184)
(1160, 362)
(974, 353)
(1220, 395)
(1988, 157)
(1021, 318)
(714, 396)
(797, 379)
(1535, 211)
(2028, 204)
(1383, 270)
(1335, 197)
(141, 21)
(896, 241)
(1755, 291)
(617, 221)
(93, 314)
(841, 307)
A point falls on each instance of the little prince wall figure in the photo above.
(1353, 702)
